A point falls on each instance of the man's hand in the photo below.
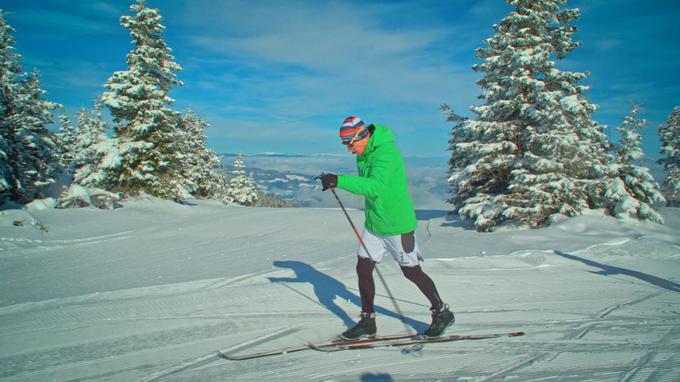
(329, 181)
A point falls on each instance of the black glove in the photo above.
(329, 181)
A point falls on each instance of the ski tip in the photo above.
(516, 334)
(229, 357)
(319, 348)
(222, 355)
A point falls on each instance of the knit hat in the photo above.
(353, 129)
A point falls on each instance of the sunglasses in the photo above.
(352, 140)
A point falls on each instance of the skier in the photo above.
(390, 221)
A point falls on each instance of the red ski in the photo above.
(412, 342)
(233, 357)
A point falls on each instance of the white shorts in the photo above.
(403, 248)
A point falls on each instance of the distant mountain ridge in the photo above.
(291, 177)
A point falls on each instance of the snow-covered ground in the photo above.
(151, 291)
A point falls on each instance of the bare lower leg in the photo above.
(366, 284)
(425, 284)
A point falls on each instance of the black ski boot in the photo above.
(365, 328)
(441, 319)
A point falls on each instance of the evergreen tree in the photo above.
(28, 150)
(10, 72)
(267, 199)
(669, 133)
(533, 150)
(241, 188)
(6, 180)
(92, 145)
(145, 157)
(200, 166)
(634, 192)
(67, 135)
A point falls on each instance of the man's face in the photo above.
(358, 147)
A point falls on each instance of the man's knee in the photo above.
(412, 273)
(365, 266)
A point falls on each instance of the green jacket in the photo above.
(382, 180)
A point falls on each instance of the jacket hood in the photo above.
(380, 136)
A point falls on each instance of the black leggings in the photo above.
(415, 274)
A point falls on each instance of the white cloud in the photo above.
(331, 56)
(91, 19)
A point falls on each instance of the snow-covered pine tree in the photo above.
(267, 199)
(633, 192)
(145, 157)
(28, 150)
(534, 149)
(5, 170)
(10, 72)
(479, 168)
(92, 146)
(37, 153)
(67, 135)
(241, 188)
(201, 168)
(669, 134)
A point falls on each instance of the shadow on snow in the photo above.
(375, 377)
(430, 214)
(608, 270)
(327, 289)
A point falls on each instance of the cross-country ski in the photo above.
(294, 349)
(366, 343)
(411, 342)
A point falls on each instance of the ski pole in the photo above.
(382, 279)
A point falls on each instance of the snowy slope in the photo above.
(151, 291)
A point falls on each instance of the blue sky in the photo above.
(279, 76)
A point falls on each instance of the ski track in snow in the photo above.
(97, 239)
(605, 310)
(13, 244)
(214, 357)
(577, 333)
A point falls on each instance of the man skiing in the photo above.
(390, 222)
